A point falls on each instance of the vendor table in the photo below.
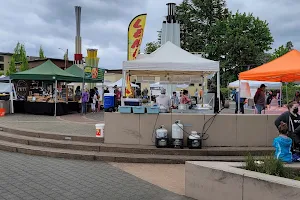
(44, 108)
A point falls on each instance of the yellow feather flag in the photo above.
(128, 90)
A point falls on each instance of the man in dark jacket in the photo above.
(260, 99)
(292, 119)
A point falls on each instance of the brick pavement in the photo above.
(72, 125)
(29, 177)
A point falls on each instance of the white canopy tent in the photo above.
(119, 84)
(171, 62)
(256, 84)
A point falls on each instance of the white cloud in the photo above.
(51, 23)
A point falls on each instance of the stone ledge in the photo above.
(219, 180)
(49, 135)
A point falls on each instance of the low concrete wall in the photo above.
(227, 130)
(213, 180)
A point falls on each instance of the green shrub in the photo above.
(290, 94)
(272, 166)
(226, 92)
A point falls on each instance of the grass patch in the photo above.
(271, 166)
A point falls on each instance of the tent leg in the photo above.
(11, 98)
(286, 92)
(123, 87)
(218, 89)
(55, 98)
(82, 89)
(239, 99)
(280, 96)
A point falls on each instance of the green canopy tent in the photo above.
(77, 71)
(47, 71)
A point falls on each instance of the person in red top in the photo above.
(118, 95)
(185, 99)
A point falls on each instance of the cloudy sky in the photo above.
(51, 23)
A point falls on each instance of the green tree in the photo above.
(12, 67)
(24, 62)
(41, 53)
(282, 50)
(17, 53)
(239, 42)
(196, 17)
(151, 47)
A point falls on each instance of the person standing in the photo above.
(163, 100)
(260, 98)
(174, 100)
(118, 95)
(94, 101)
(292, 119)
(97, 102)
(84, 101)
(242, 102)
(297, 97)
(185, 99)
(77, 94)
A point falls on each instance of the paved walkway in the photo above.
(29, 177)
(74, 124)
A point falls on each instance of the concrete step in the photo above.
(110, 156)
(133, 149)
(47, 135)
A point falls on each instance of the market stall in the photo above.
(172, 65)
(43, 90)
(283, 69)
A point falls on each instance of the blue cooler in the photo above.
(138, 109)
(109, 102)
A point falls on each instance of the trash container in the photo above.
(100, 130)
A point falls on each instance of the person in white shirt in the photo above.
(93, 105)
(163, 100)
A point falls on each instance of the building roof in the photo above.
(6, 53)
(45, 59)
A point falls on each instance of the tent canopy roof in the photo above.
(77, 71)
(120, 82)
(283, 69)
(170, 58)
(47, 71)
(256, 84)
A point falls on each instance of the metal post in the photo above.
(82, 89)
(286, 90)
(123, 88)
(11, 97)
(280, 96)
(55, 98)
(218, 89)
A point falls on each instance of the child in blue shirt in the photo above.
(283, 144)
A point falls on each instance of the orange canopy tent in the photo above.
(283, 69)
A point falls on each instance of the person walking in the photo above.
(84, 101)
(93, 105)
(260, 99)
(242, 102)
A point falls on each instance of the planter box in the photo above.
(215, 180)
